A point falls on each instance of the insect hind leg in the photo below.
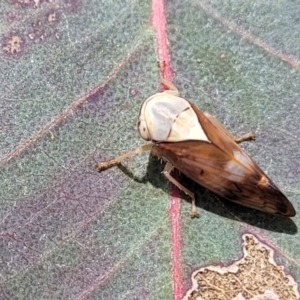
(167, 172)
(245, 137)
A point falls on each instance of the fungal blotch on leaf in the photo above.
(255, 276)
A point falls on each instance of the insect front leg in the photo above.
(167, 172)
(108, 164)
(245, 137)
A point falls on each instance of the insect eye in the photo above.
(143, 130)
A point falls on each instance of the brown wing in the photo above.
(224, 168)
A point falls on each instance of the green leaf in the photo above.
(73, 77)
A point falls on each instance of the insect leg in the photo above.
(108, 164)
(167, 172)
(245, 137)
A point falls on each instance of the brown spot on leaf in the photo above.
(52, 17)
(44, 29)
(14, 44)
(256, 276)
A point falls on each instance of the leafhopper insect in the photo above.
(198, 146)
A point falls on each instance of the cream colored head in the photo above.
(165, 117)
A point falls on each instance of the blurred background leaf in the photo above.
(73, 76)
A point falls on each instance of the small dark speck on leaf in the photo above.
(13, 44)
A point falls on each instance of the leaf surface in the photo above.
(73, 76)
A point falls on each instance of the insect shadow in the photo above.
(208, 201)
